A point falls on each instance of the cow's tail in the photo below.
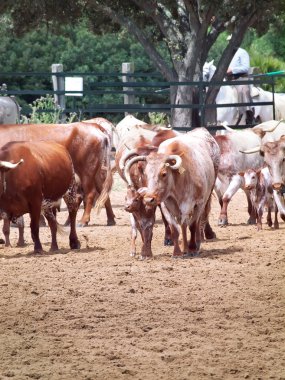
(106, 170)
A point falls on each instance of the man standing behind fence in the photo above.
(239, 70)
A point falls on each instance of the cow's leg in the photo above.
(167, 232)
(234, 185)
(269, 219)
(184, 238)
(109, 212)
(6, 232)
(133, 235)
(108, 207)
(21, 226)
(35, 213)
(70, 199)
(251, 210)
(276, 223)
(48, 213)
(205, 228)
(146, 234)
(90, 194)
(195, 239)
(174, 228)
(259, 218)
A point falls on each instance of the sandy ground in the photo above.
(99, 314)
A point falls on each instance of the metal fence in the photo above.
(105, 93)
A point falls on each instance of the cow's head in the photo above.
(159, 171)
(133, 200)
(251, 178)
(274, 157)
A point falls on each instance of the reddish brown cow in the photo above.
(33, 176)
(89, 147)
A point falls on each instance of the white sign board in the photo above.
(74, 84)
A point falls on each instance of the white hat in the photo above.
(229, 37)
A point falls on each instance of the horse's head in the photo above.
(208, 71)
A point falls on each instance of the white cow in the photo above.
(188, 161)
(231, 163)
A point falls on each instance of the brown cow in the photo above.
(89, 147)
(33, 176)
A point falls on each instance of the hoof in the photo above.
(211, 236)
(111, 223)
(80, 224)
(223, 222)
(21, 244)
(168, 242)
(251, 222)
(144, 258)
(190, 255)
(178, 256)
(2, 241)
(74, 245)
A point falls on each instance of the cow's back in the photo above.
(47, 168)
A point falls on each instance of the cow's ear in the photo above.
(282, 138)
(241, 174)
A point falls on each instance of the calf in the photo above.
(34, 175)
(259, 185)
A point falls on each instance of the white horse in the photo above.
(229, 95)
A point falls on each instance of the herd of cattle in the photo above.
(175, 172)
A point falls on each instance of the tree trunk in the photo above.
(184, 117)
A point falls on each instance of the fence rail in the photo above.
(103, 97)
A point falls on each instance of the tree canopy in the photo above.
(187, 29)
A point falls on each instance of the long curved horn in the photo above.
(128, 166)
(273, 128)
(225, 125)
(253, 150)
(10, 165)
(178, 160)
(125, 157)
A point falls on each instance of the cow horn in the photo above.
(125, 157)
(225, 125)
(253, 150)
(273, 128)
(178, 160)
(128, 166)
(10, 165)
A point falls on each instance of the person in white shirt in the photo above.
(238, 70)
(240, 64)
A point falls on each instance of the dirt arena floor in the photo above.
(99, 314)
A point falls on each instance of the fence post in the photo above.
(128, 68)
(58, 84)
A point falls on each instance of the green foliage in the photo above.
(45, 110)
(158, 118)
